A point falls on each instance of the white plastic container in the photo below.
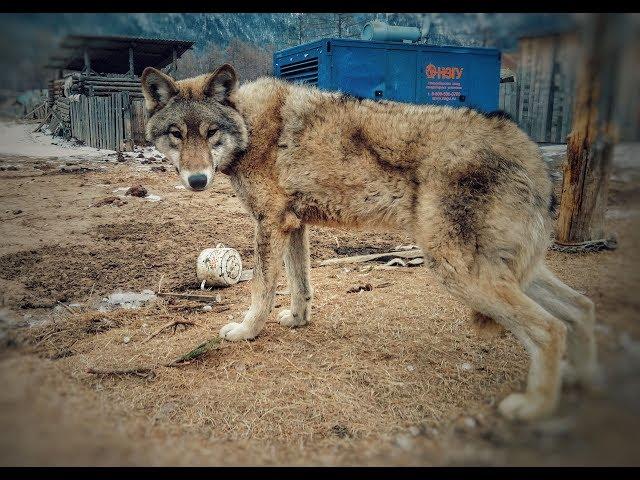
(219, 267)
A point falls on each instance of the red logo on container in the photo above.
(443, 72)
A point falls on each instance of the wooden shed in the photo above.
(542, 94)
(96, 95)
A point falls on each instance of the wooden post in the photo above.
(131, 65)
(87, 62)
(590, 143)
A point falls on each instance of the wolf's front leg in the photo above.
(269, 246)
(296, 260)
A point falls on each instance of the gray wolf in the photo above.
(473, 191)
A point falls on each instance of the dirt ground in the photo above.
(392, 376)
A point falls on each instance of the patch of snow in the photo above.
(148, 153)
(151, 197)
(19, 139)
(554, 149)
(126, 300)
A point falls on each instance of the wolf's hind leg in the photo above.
(493, 291)
(296, 260)
(578, 313)
(269, 248)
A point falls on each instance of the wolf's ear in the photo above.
(157, 88)
(221, 83)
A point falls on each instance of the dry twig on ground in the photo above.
(174, 324)
(147, 373)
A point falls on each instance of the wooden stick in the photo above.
(188, 296)
(173, 324)
(67, 307)
(138, 372)
(374, 256)
(44, 121)
(197, 352)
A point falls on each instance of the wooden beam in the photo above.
(593, 135)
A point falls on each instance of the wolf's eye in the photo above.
(176, 134)
(211, 132)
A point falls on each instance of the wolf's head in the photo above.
(194, 122)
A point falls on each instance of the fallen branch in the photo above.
(147, 373)
(68, 308)
(196, 353)
(374, 256)
(43, 121)
(173, 325)
(189, 296)
(192, 308)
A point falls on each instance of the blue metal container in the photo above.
(404, 72)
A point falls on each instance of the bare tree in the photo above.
(249, 61)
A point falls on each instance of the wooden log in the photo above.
(373, 256)
(102, 88)
(110, 82)
(113, 78)
(591, 141)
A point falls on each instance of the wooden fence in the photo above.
(113, 122)
(541, 98)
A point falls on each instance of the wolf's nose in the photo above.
(198, 181)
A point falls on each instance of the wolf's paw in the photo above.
(521, 406)
(235, 332)
(286, 318)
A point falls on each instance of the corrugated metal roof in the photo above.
(110, 54)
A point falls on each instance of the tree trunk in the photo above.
(593, 135)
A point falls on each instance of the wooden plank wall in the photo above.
(541, 98)
(509, 98)
(99, 121)
(138, 121)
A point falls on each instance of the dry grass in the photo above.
(368, 377)
(378, 377)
